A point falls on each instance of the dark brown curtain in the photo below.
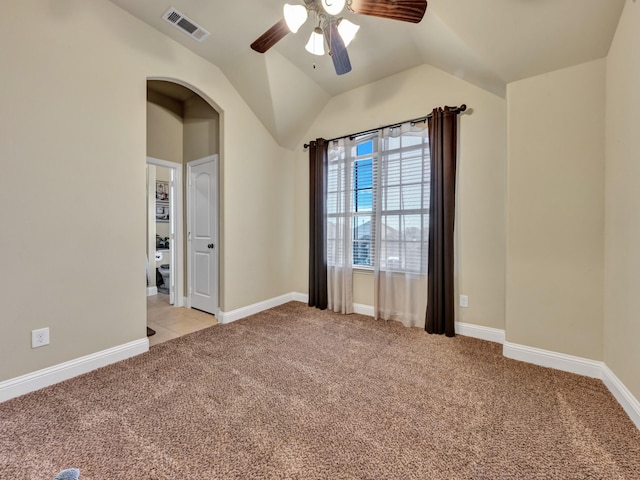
(442, 143)
(317, 242)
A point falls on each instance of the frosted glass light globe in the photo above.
(333, 7)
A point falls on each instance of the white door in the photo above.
(203, 233)
(172, 238)
(176, 226)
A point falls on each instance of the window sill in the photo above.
(369, 271)
(363, 270)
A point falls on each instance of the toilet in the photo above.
(165, 272)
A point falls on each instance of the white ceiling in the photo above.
(486, 42)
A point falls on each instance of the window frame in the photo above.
(373, 157)
(423, 211)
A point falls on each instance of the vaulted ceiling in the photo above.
(488, 43)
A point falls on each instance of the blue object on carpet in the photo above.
(69, 474)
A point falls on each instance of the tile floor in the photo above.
(170, 322)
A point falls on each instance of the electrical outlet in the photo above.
(464, 301)
(40, 337)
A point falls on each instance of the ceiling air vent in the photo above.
(185, 24)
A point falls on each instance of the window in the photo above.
(379, 184)
(363, 204)
(404, 201)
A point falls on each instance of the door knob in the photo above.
(210, 245)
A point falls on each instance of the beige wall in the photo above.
(164, 128)
(88, 163)
(555, 221)
(480, 227)
(622, 226)
(201, 127)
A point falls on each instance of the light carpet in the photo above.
(297, 393)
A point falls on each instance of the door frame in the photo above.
(176, 221)
(216, 208)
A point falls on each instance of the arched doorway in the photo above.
(182, 127)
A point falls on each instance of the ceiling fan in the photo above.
(334, 29)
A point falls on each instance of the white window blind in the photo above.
(378, 187)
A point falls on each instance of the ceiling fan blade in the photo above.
(403, 10)
(338, 51)
(269, 38)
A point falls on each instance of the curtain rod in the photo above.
(459, 109)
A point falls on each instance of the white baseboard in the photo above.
(357, 307)
(64, 371)
(300, 297)
(233, 315)
(151, 291)
(625, 398)
(237, 314)
(361, 309)
(477, 331)
(467, 329)
(549, 359)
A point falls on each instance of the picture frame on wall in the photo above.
(162, 192)
(162, 202)
(162, 213)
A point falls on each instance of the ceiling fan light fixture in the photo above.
(315, 45)
(347, 30)
(294, 16)
(333, 7)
